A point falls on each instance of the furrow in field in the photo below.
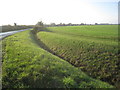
(45, 47)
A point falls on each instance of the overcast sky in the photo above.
(29, 12)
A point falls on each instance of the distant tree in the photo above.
(40, 23)
(9, 25)
(15, 24)
(96, 23)
(52, 24)
(63, 24)
(60, 24)
(69, 24)
(82, 24)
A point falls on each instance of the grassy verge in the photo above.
(92, 48)
(7, 28)
(26, 65)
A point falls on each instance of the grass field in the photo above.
(94, 49)
(27, 65)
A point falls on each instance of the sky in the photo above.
(29, 12)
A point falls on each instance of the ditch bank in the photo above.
(45, 47)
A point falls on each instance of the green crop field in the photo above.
(93, 49)
(27, 65)
(62, 57)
